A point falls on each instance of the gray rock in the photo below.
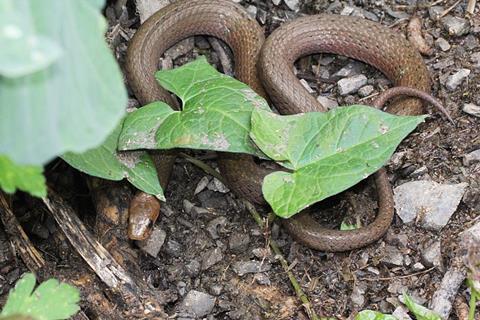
(442, 299)
(365, 90)
(262, 279)
(327, 103)
(292, 4)
(432, 202)
(351, 69)
(401, 313)
(201, 185)
(238, 242)
(211, 257)
(181, 288)
(276, 2)
(347, 10)
(187, 206)
(174, 248)
(197, 303)
(455, 26)
(472, 234)
(442, 44)
(351, 84)
(471, 42)
(193, 268)
(216, 289)
(444, 63)
(166, 210)
(435, 12)
(358, 295)
(214, 225)
(396, 287)
(306, 86)
(243, 267)
(475, 58)
(432, 254)
(456, 79)
(154, 243)
(418, 266)
(393, 256)
(472, 109)
(471, 157)
(399, 240)
(252, 11)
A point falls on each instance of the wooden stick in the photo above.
(32, 258)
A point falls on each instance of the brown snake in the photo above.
(353, 37)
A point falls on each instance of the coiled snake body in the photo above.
(353, 37)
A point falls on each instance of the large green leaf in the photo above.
(73, 100)
(216, 112)
(328, 152)
(50, 301)
(105, 162)
(26, 178)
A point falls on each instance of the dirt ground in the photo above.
(210, 235)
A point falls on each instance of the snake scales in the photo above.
(267, 67)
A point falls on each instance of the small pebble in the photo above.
(351, 69)
(435, 12)
(174, 248)
(238, 242)
(401, 313)
(193, 268)
(292, 4)
(252, 11)
(262, 279)
(197, 303)
(276, 2)
(471, 157)
(418, 266)
(432, 254)
(471, 109)
(475, 58)
(243, 267)
(456, 79)
(442, 44)
(214, 225)
(154, 243)
(393, 256)
(216, 289)
(211, 257)
(306, 86)
(327, 102)
(351, 84)
(365, 91)
(455, 26)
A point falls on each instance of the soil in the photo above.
(206, 243)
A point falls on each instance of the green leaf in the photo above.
(73, 103)
(26, 178)
(419, 311)
(141, 125)
(105, 162)
(216, 110)
(345, 226)
(327, 152)
(51, 300)
(23, 51)
(373, 315)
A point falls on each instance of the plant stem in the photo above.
(298, 290)
(471, 305)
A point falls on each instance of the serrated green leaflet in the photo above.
(26, 178)
(328, 152)
(105, 162)
(373, 315)
(216, 110)
(51, 300)
(140, 126)
(73, 100)
(419, 311)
